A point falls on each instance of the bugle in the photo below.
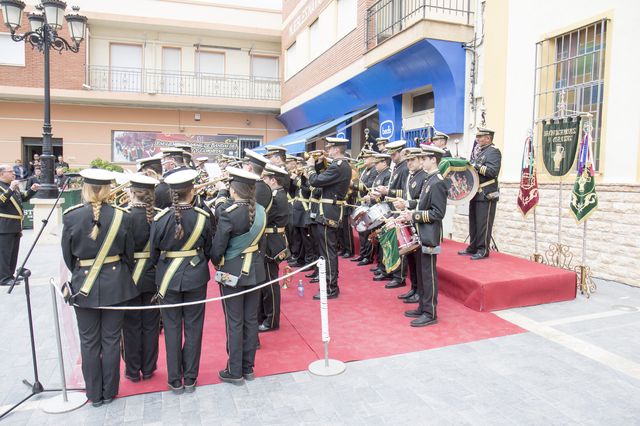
(199, 187)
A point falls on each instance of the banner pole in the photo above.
(535, 232)
(326, 366)
(560, 211)
(68, 401)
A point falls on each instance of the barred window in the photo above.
(573, 64)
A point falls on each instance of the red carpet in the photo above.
(366, 321)
(501, 281)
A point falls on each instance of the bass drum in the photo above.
(463, 177)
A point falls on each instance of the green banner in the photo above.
(584, 199)
(390, 253)
(560, 144)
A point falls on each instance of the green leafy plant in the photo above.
(103, 164)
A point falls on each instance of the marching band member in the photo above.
(276, 249)
(172, 161)
(277, 155)
(381, 145)
(440, 140)
(180, 249)
(255, 163)
(301, 216)
(141, 328)
(382, 162)
(240, 265)
(333, 183)
(397, 183)
(367, 176)
(412, 192)
(427, 217)
(486, 159)
(345, 234)
(98, 246)
(294, 233)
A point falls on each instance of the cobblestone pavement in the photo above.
(579, 363)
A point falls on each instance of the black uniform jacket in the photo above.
(234, 221)
(398, 180)
(487, 163)
(432, 207)
(113, 284)
(278, 217)
(300, 214)
(414, 184)
(192, 273)
(263, 195)
(367, 178)
(382, 179)
(141, 234)
(11, 208)
(334, 183)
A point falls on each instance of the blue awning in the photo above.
(296, 142)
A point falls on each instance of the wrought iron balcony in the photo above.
(142, 80)
(387, 18)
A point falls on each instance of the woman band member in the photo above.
(97, 246)
(180, 249)
(141, 328)
(240, 265)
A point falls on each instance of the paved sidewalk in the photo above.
(579, 364)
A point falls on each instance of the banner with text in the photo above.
(127, 147)
(560, 144)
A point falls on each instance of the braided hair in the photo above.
(96, 195)
(246, 192)
(180, 200)
(144, 198)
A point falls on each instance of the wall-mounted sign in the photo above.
(304, 14)
(127, 147)
(386, 129)
(342, 135)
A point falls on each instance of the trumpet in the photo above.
(317, 155)
(119, 196)
(199, 187)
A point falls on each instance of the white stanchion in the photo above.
(67, 401)
(326, 366)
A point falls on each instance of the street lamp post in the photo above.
(44, 36)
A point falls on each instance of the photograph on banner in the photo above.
(129, 146)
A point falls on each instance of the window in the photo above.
(264, 67)
(347, 16)
(290, 60)
(572, 64)
(11, 53)
(314, 39)
(423, 102)
(171, 66)
(126, 67)
(210, 62)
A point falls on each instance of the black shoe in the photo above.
(226, 377)
(134, 379)
(263, 328)
(466, 252)
(357, 259)
(176, 387)
(249, 375)
(376, 270)
(147, 376)
(382, 277)
(190, 385)
(413, 299)
(395, 284)
(480, 255)
(365, 262)
(97, 403)
(347, 255)
(313, 274)
(413, 313)
(423, 320)
(106, 401)
(292, 260)
(407, 294)
(330, 294)
(314, 280)
(340, 252)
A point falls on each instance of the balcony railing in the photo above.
(142, 80)
(387, 18)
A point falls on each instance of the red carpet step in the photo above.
(501, 281)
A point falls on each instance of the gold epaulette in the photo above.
(124, 209)
(73, 208)
(274, 192)
(158, 210)
(231, 208)
(159, 215)
(199, 210)
(219, 200)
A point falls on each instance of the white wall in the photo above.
(529, 22)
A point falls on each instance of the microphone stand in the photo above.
(23, 273)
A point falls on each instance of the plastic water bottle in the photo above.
(300, 289)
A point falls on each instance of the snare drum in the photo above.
(357, 214)
(376, 215)
(408, 240)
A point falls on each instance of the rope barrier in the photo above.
(197, 302)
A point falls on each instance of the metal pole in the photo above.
(535, 232)
(48, 189)
(560, 211)
(56, 326)
(584, 243)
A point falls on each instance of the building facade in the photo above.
(200, 71)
